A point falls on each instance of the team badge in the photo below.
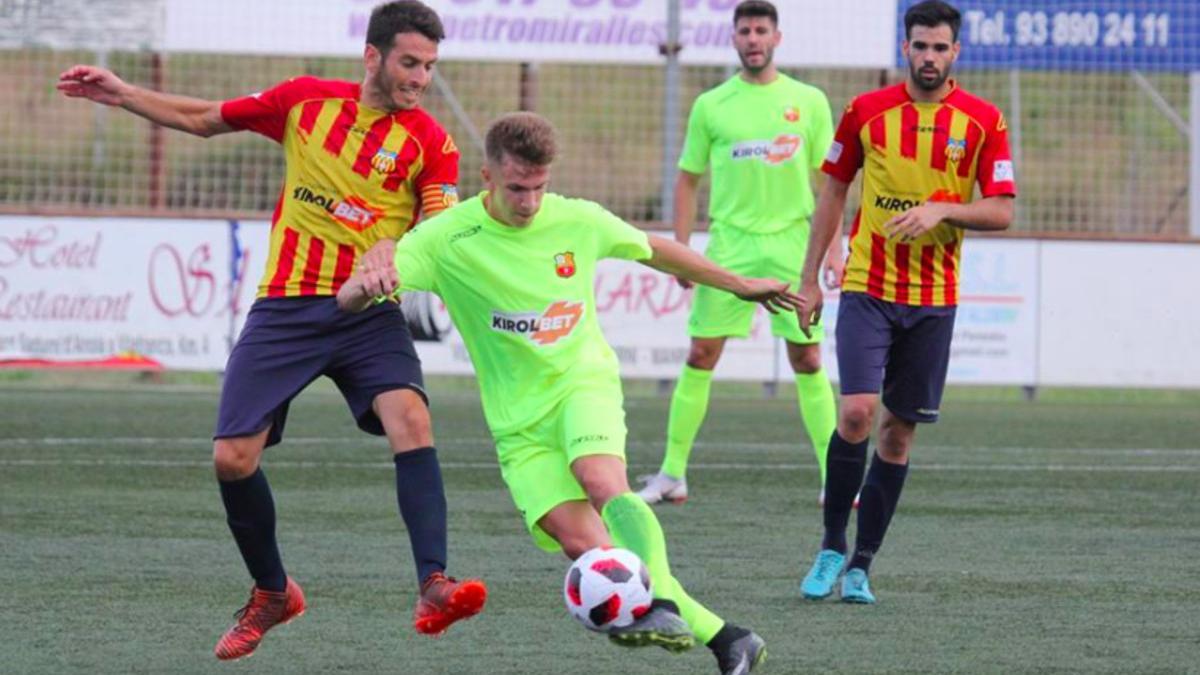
(791, 113)
(384, 161)
(449, 195)
(564, 264)
(956, 149)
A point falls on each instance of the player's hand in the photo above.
(770, 293)
(832, 270)
(381, 255)
(684, 283)
(93, 83)
(916, 221)
(812, 300)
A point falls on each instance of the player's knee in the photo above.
(603, 487)
(806, 362)
(234, 458)
(703, 356)
(854, 421)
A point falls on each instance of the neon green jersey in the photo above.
(762, 140)
(522, 298)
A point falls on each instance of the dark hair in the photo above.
(402, 16)
(524, 136)
(931, 14)
(748, 8)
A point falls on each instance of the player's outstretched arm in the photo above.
(193, 115)
(826, 224)
(687, 184)
(366, 288)
(675, 258)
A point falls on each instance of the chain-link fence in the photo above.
(1097, 153)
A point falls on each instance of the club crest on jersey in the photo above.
(564, 264)
(546, 328)
(791, 114)
(956, 149)
(384, 161)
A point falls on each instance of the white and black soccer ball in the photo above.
(607, 588)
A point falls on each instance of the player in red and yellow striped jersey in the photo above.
(364, 162)
(922, 145)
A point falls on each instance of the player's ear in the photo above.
(372, 59)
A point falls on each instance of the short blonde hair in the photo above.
(524, 136)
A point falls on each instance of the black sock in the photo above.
(843, 477)
(250, 512)
(725, 637)
(880, 494)
(422, 502)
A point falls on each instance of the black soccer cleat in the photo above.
(742, 655)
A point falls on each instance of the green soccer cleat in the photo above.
(856, 589)
(818, 583)
(659, 627)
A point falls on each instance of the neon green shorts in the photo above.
(536, 461)
(778, 255)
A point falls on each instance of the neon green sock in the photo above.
(634, 526)
(689, 404)
(819, 411)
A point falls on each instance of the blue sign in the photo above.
(1076, 34)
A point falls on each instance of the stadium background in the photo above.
(1054, 533)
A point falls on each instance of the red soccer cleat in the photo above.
(444, 600)
(264, 611)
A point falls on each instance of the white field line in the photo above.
(360, 440)
(698, 466)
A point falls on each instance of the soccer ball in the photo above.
(607, 588)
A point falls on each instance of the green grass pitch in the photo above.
(1060, 535)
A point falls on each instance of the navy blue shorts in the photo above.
(901, 348)
(289, 342)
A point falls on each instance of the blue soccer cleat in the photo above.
(818, 583)
(856, 589)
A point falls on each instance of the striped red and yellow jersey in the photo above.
(912, 152)
(354, 176)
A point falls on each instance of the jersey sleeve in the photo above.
(821, 131)
(616, 238)
(696, 144)
(416, 253)
(845, 154)
(267, 111)
(995, 170)
(437, 184)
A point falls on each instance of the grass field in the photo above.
(1056, 536)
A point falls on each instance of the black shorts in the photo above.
(289, 342)
(904, 349)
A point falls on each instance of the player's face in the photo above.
(755, 39)
(400, 78)
(931, 52)
(515, 190)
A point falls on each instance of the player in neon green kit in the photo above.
(762, 132)
(515, 267)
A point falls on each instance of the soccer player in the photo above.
(923, 145)
(515, 267)
(762, 133)
(363, 160)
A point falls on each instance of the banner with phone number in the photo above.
(1153, 35)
